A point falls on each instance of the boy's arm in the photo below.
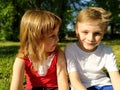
(115, 79)
(62, 72)
(75, 81)
(18, 75)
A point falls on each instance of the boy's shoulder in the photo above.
(72, 45)
(104, 47)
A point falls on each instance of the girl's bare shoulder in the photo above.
(19, 62)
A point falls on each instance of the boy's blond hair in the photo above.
(98, 14)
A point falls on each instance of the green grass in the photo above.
(8, 51)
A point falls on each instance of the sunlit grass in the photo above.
(8, 43)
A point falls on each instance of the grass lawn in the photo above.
(8, 51)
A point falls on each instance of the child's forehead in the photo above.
(51, 32)
(89, 26)
(90, 22)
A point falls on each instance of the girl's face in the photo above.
(51, 40)
(90, 35)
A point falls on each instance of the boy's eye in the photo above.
(97, 33)
(85, 32)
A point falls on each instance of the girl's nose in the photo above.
(57, 38)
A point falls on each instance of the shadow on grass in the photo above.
(7, 57)
(8, 50)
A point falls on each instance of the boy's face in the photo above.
(90, 35)
(51, 40)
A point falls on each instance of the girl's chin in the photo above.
(53, 49)
(50, 50)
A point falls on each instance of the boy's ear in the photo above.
(76, 31)
(103, 35)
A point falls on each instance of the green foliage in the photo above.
(6, 17)
(12, 11)
(111, 5)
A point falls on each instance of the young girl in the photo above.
(87, 57)
(39, 55)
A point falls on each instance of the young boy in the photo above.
(87, 57)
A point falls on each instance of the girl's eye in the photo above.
(53, 36)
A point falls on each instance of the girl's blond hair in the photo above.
(94, 14)
(34, 26)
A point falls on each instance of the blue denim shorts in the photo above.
(108, 87)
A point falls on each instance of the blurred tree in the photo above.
(111, 5)
(12, 10)
(114, 7)
(6, 19)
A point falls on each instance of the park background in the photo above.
(11, 12)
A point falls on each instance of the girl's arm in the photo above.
(62, 72)
(18, 75)
(75, 81)
(115, 79)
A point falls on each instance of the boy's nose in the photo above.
(90, 37)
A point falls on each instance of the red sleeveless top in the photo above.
(33, 78)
